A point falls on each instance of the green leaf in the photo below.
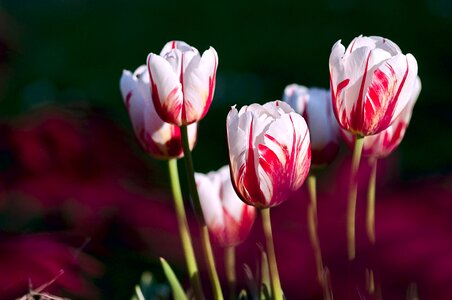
(265, 275)
(178, 291)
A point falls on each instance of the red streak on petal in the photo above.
(338, 102)
(156, 98)
(212, 81)
(174, 145)
(173, 44)
(381, 90)
(357, 119)
(181, 79)
(128, 96)
(248, 173)
(386, 120)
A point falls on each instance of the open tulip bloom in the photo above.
(158, 138)
(371, 82)
(182, 82)
(228, 218)
(314, 104)
(269, 152)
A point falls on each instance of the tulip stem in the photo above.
(184, 231)
(212, 270)
(229, 261)
(205, 240)
(370, 212)
(275, 282)
(312, 228)
(190, 171)
(352, 194)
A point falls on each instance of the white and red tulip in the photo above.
(182, 82)
(269, 152)
(158, 138)
(382, 144)
(371, 82)
(228, 218)
(314, 104)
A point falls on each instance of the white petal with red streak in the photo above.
(197, 76)
(400, 66)
(180, 45)
(166, 80)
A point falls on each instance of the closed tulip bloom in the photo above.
(382, 144)
(371, 83)
(314, 104)
(228, 219)
(269, 152)
(182, 82)
(158, 138)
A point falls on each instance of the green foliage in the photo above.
(178, 291)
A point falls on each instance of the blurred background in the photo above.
(77, 193)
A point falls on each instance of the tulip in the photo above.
(158, 138)
(182, 82)
(315, 106)
(371, 83)
(269, 152)
(382, 144)
(228, 219)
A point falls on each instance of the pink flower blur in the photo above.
(228, 218)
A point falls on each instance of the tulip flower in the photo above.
(269, 152)
(315, 106)
(229, 219)
(158, 138)
(182, 82)
(371, 83)
(382, 144)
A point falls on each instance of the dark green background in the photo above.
(74, 50)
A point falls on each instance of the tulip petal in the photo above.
(199, 85)
(209, 195)
(166, 89)
(180, 45)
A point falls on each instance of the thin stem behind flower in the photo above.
(212, 270)
(184, 231)
(312, 228)
(275, 282)
(229, 261)
(352, 194)
(206, 246)
(370, 211)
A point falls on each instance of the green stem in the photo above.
(207, 247)
(184, 231)
(312, 227)
(229, 264)
(212, 270)
(275, 282)
(352, 194)
(370, 212)
(190, 171)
